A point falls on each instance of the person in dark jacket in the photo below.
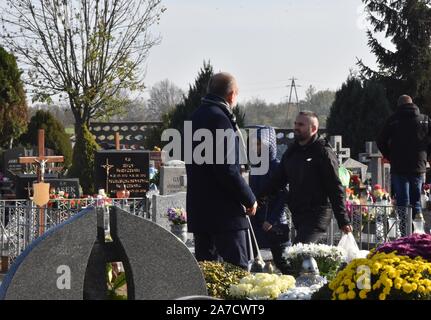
(270, 222)
(310, 169)
(218, 197)
(404, 141)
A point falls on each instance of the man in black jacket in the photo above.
(217, 194)
(310, 169)
(404, 141)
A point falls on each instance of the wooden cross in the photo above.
(117, 141)
(107, 167)
(41, 159)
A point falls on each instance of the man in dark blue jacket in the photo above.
(218, 197)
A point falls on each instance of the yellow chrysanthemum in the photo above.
(340, 289)
(407, 288)
(351, 295)
(342, 296)
(363, 294)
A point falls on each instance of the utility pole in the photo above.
(292, 86)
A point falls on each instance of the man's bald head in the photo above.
(224, 85)
(404, 99)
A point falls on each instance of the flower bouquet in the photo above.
(328, 258)
(219, 276)
(383, 276)
(177, 216)
(261, 286)
(415, 245)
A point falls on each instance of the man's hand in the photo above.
(347, 228)
(251, 211)
(266, 226)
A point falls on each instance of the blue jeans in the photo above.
(407, 190)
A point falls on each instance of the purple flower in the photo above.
(177, 215)
(413, 246)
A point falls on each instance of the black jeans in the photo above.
(229, 246)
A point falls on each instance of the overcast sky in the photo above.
(262, 43)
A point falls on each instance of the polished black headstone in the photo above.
(129, 168)
(69, 186)
(24, 184)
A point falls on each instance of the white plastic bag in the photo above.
(349, 245)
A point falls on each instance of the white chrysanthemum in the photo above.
(240, 290)
(262, 286)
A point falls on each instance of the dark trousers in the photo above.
(229, 246)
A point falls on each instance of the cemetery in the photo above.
(131, 219)
(93, 206)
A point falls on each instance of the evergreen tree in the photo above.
(192, 101)
(83, 160)
(13, 106)
(183, 111)
(55, 136)
(358, 113)
(407, 69)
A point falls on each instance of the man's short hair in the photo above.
(404, 99)
(221, 84)
(310, 115)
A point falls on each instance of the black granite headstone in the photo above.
(69, 261)
(24, 184)
(11, 165)
(69, 186)
(126, 168)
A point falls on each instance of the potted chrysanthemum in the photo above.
(178, 219)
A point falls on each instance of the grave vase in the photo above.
(180, 230)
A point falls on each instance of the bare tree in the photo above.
(85, 51)
(164, 96)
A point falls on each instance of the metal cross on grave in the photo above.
(342, 153)
(41, 189)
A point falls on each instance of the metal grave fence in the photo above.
(21, 220)
(374, 225)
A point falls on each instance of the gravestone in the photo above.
(116, 169)
(387, 177)
(24, 184)
(373, 158)
(11, 165)
(356, 167)
(158, 158)
(173, 177)
(160, 205)
(69, 186)
(337, 146)
(69, 261)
